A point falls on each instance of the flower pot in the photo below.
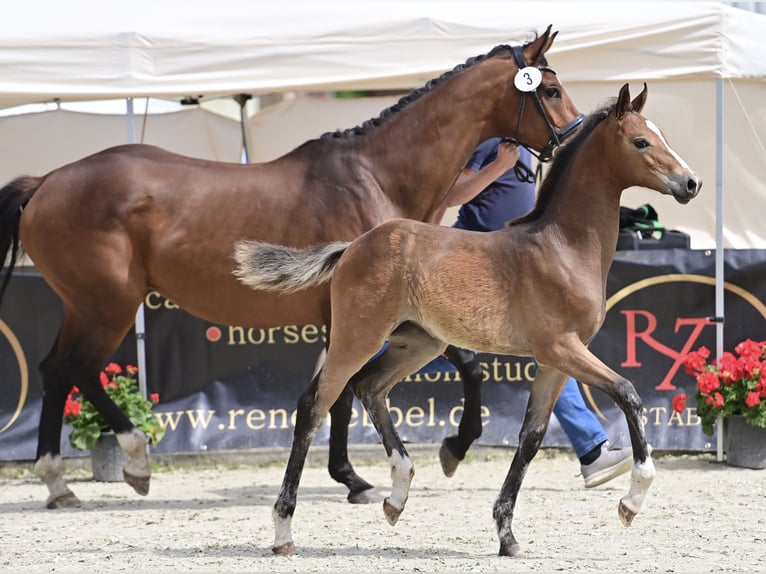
(107, 459)
(745, 445)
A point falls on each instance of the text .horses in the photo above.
(535, 288)
(104, 230)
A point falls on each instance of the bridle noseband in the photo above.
(557, 136)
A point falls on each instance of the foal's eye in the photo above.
(552, 92)
(640, 143)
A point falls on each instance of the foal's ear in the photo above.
(623, 102)
(639, 100)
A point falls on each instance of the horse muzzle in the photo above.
(558, 137)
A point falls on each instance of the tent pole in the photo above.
(140, 328)
(719, 254)
(242, 99)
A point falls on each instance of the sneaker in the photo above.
(610, 464)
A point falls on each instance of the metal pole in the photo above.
(140, 328)
(719, 278)
(242, 99)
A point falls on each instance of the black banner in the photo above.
(224, 387)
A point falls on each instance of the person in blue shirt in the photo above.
(490, 194)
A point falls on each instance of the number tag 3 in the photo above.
(527, 79)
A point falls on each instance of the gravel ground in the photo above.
(214, 515)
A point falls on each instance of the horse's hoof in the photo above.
(392, 513)
(512, 549)
(139, 483)
(284, 550)
(368, 496)
(626, 514)
(448, 460)
(68, 500)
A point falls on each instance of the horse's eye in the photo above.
(552, 92)
(640, 143)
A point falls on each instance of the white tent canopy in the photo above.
(699, 59)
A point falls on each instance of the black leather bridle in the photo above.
(557, 136)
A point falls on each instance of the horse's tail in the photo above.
(13, 198)
(269, 267)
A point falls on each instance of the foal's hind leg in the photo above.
(313, 406)
(545, 390)
(410, 348)
(454, 447)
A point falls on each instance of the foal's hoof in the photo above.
(512, 549)
(449, 461)
(139, 483)
(68, 500)
(392, 513)
(626, 514)
(284, 550)
(368, 496)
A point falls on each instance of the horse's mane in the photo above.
(371, 124)
(561, 161)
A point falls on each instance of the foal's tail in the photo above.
(13, 198)
(269, 267)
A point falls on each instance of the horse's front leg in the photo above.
(454, 447)
(545, 390)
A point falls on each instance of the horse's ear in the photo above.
(537, 48)
(623, 102)
(639, 100)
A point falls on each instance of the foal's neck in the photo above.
(585, 206)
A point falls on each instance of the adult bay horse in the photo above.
(535, 288)
(104, 230)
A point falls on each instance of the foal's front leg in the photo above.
(545, 390)
(588, 369)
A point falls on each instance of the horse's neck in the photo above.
(416, 155)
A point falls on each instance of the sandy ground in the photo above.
(700, 516)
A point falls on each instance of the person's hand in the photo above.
(508, 154)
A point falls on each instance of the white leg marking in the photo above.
(641, 478)
(402, 471)
(282, 530)
(48, 469)
(134, 444)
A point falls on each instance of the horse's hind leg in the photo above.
(454, 447)
(359, 490)
(545, 390)
(410, 348)
(75, 360)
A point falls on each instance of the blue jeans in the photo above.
(579, 423)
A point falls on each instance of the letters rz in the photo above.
(632, 334)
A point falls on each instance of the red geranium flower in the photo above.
(695, 362)
(88, 424)
(735, 384)
(752, 399)
(679, 402)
